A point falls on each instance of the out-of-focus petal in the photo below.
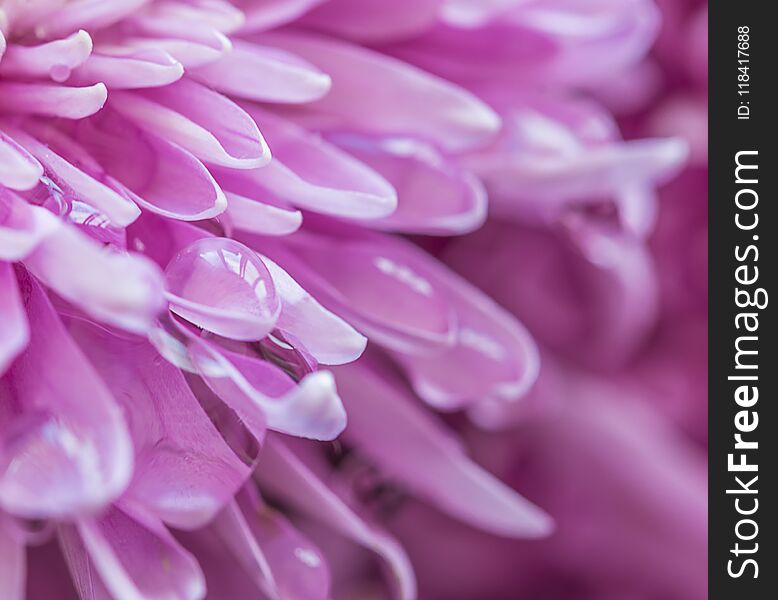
(434, 196)
(408, 445)
(268, 14)
(373, 21)
(61, 456)
(13, 565)
(18, 168)
(15, 333)
(22, 227)
(127, 554)
(408, 103)
(283, 473)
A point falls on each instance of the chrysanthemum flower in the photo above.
(202, 205)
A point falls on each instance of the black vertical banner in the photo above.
(743, 328)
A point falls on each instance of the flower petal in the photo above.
(284, 474)
(22, 228)
(18, 168)
(15, 333)
(13, 565)
(68, 456)
(128, 555)
(379, 412)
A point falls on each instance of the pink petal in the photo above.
(262, 393)
(434, 196)
(255, 72)
(86, 14)
(261, 16)
(200, 120)
(122, 289)
(375, 21)
(128, 555)
(185, 472)
(312, 174)
(409, 102)
(388, 292)
(13, 564)
(219, 14)
(22, 227)
(384, 416)
(15, 333)
(54, 59)
(162, 178)
(265, 542)
(224, 287)
(68, 456)
(128, 68)
(253, 216)
(52, 100)
(284, 474)
(327, 337)
(18, 168)
(75, 181)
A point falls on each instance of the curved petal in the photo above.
(22, 227)
(283, 473)
(379, 413)
(255, 72)
(388, 291)
(69, 457)
(122, 289)
(253, 216)
(128, 68)
(261, 16)
(376, 21)
(162, 177)
(18, 168)
(52, 100)
(53, 59)
(128, 555)
(434, 196)
(200, 120)
(327, 337)
(408, 103)
(185, 472)
(15, 333)
(264, 394)
(312, 174)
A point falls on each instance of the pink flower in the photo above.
(203, 207)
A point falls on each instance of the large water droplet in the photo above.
(222, 286)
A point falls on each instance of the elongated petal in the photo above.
(327, 337)
(203, 121)
(409, 102)
(374, 22)
(76, 183)
(283, 473)
(262, 393)
(86, 14)
(52, 100)
(434, 196)
(312, 174)
(128, 69)
(22, 227)
(265, 542)
(122, 289)
(263, 74)
(261, 16)
(15, 333)
(253, 216)
(162, 177)
(128, 555)
(13, 565)
(68, 456)
(185, 472)
(18, 168)
(388, 291)
(53, 59)
(380, 411)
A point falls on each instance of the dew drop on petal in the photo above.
(222, 286)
